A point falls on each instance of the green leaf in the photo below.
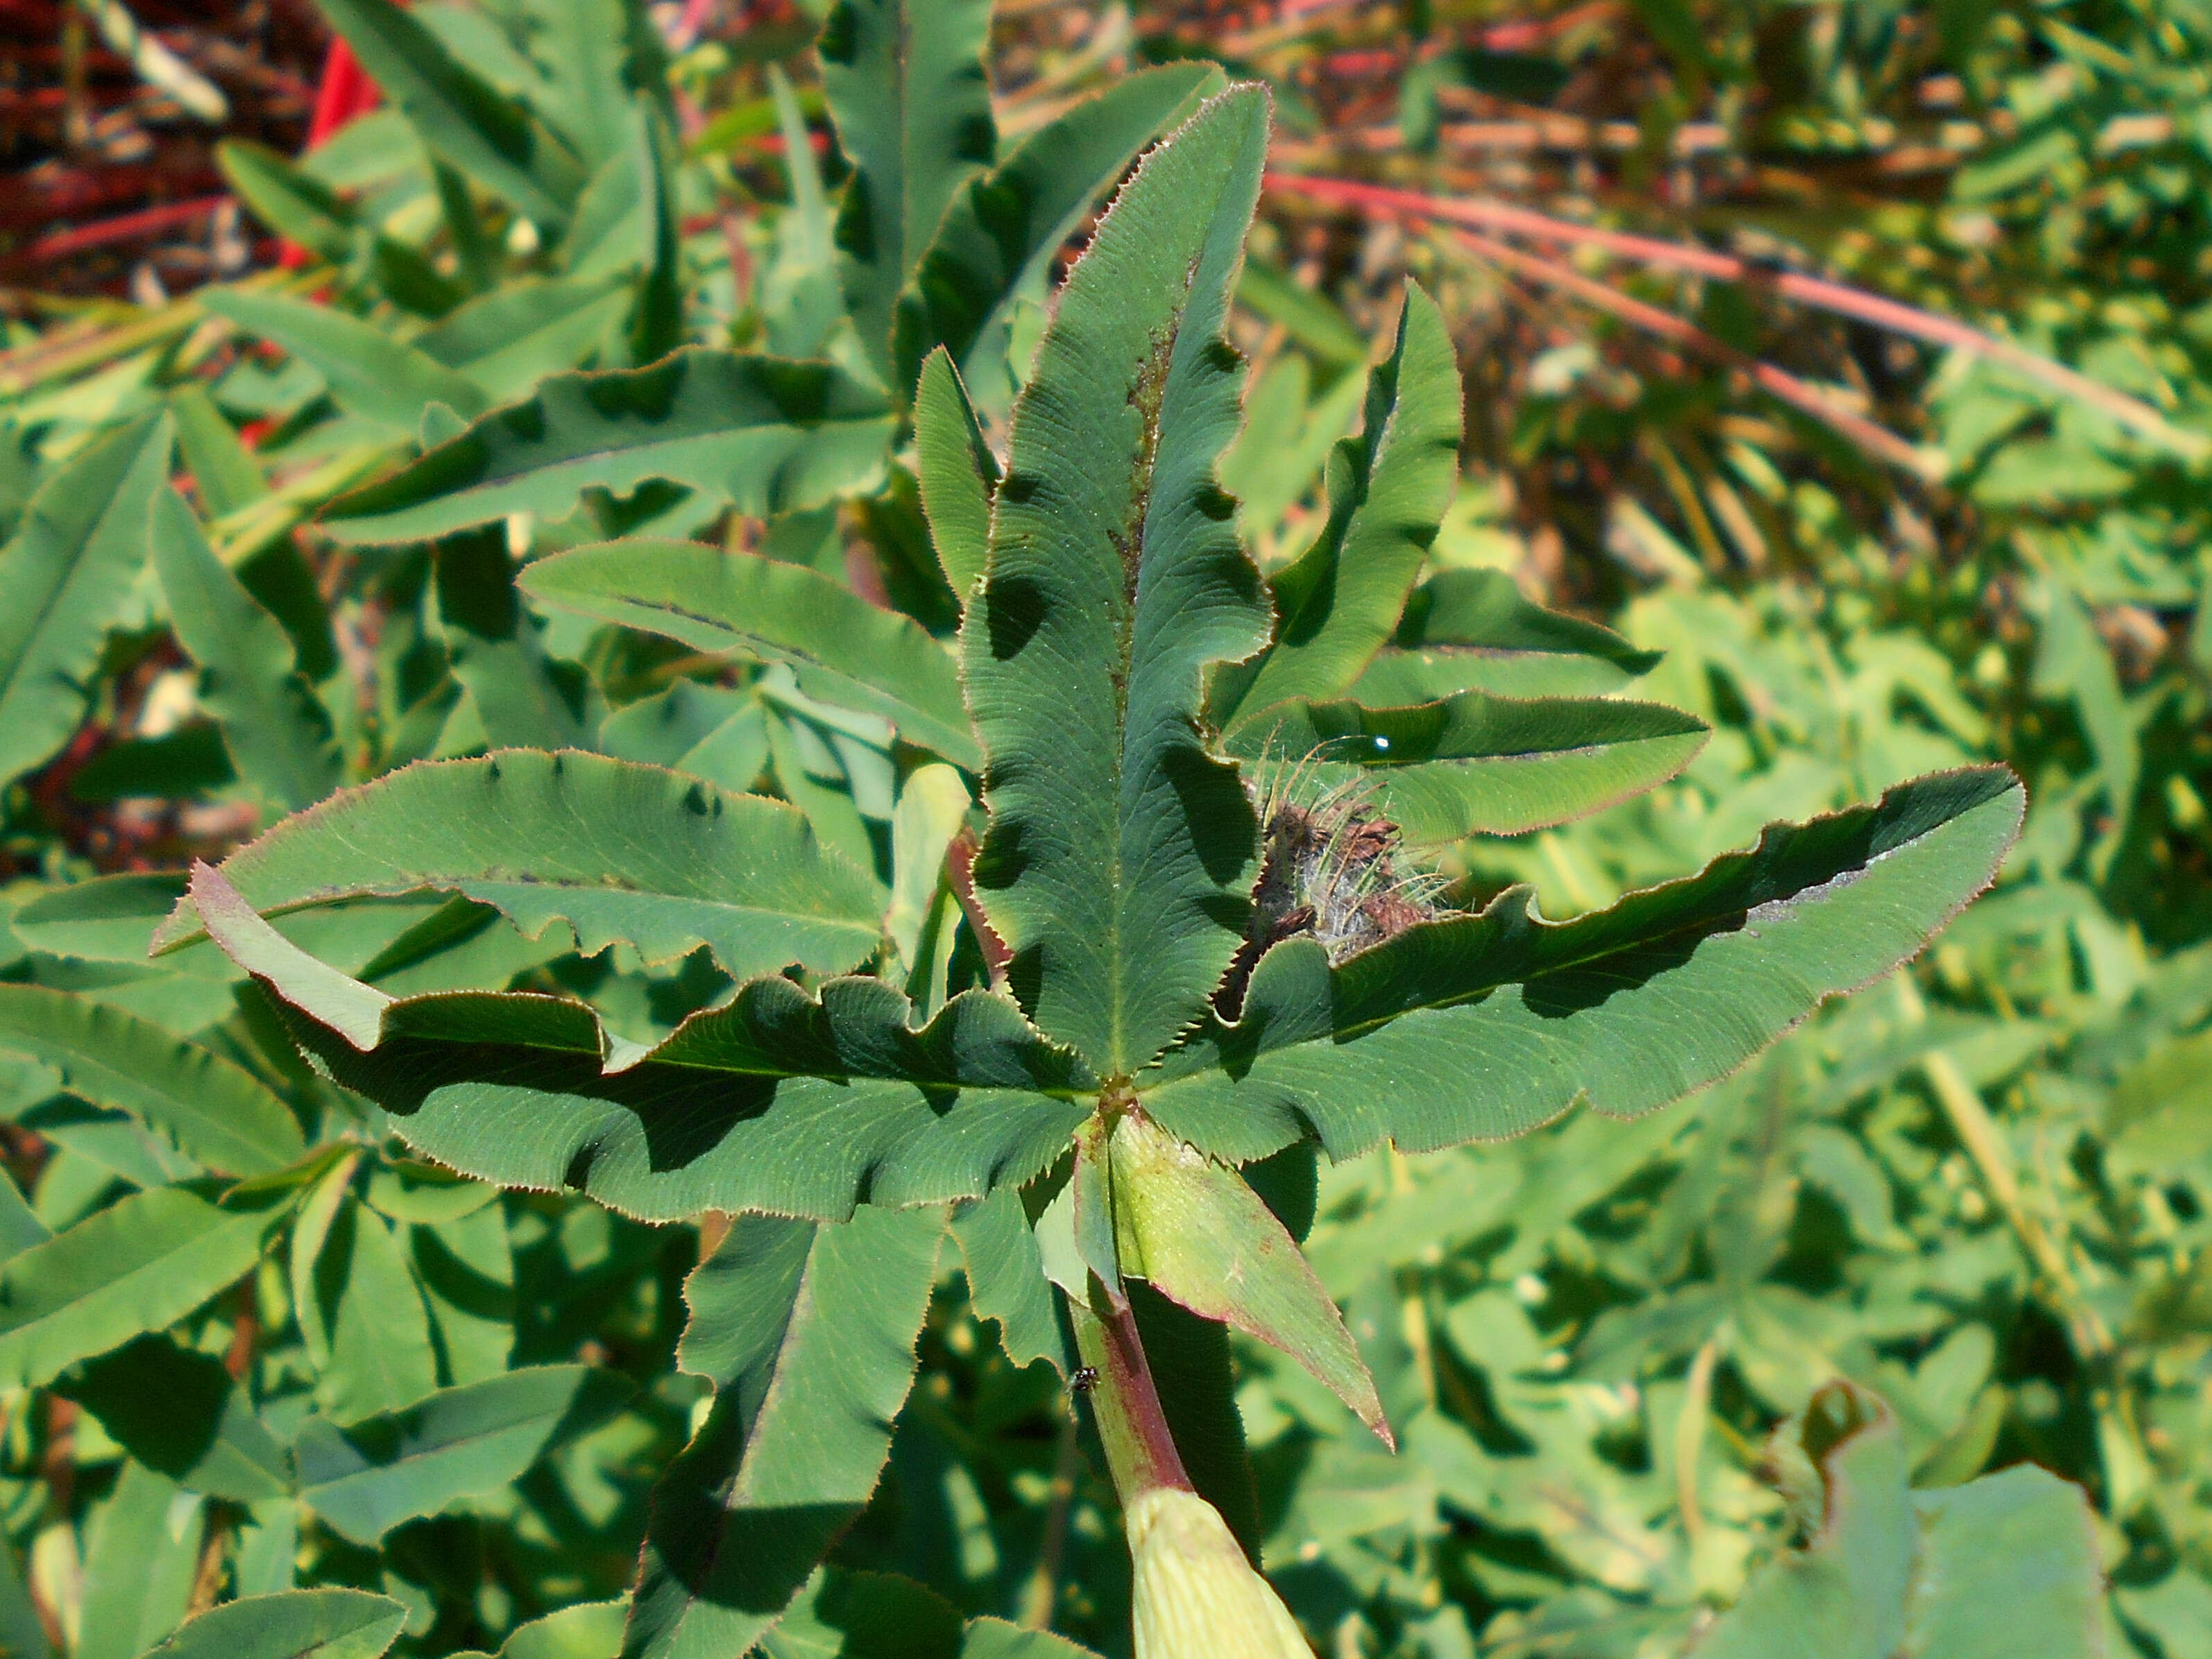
(68, 573)
(522, 698)
(218, 1112)
(383, 381)
(138, 1265)
(2002, 1567)
(277, 730)
(767, 435)
(2008, 1567)
(1388, 488)
(843, 1614)
(346, 1005)
(21, 1629)
(905, 82)
(105, 919)
(312, 1624)
(808, 1332)
(295, 205)
(366, 1478)
(596, 55)
(460, 117)
(609, 849)
(1474, 764)
(775, 1102)
(959, 473)
(1198, 1234)
(313, 1292)
(994, 1638)
(1477, 1026)
(20, 1228)
(846, 650)
(508, 340)
(1467, 630)
(179, 1413)
(466, 1268)
(1120, 854)
(1312, 320)
(999, 236)
(1006, 1280)
(590, 1630)
(139, 1570)
(223, 470)
(1287, 440)
(380, 1353)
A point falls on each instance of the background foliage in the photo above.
(1978, 1187)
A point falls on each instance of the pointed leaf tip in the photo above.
(354, 1011)
(1121, 852)
(1198, 1234)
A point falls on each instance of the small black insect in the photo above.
(1084, 1380)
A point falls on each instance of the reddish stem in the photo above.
(1839, 298)
(1141, 1449)
(1876, 440)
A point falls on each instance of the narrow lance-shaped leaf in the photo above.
(808, 1334)
(139, 1570)
(1121, 853)
(312, 1624)
(277, 730)
(1474, 763)
(66, 574)
(290, 201)
(370, 373)
(460, 117)
(508, 340)
(1198, 1234)
(219, 1114)
(776, 1102)
(610, 850)
(958, 473)
(382, 1355)
(1481, 1026)
(1388, 488)
(368, 1476)
(596, 55)
(767, 434)
(1470, 631)
(905, 82)
(1000, 233)
(1006, 1280)
(223, 470)
(846, 650)
(140, 1265)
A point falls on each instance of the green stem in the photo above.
(1140, 1451)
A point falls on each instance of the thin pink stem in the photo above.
(1876, 440)
(1818, 292)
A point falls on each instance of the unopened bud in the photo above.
(1196, 1595)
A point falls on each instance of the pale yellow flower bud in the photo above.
(1196, 1595)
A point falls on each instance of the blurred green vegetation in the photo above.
(1983, 1187)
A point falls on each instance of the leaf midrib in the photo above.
(1704, 925)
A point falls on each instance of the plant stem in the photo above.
(1140, 1451)
(1041, 1597)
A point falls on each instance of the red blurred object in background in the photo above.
(345, 93)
